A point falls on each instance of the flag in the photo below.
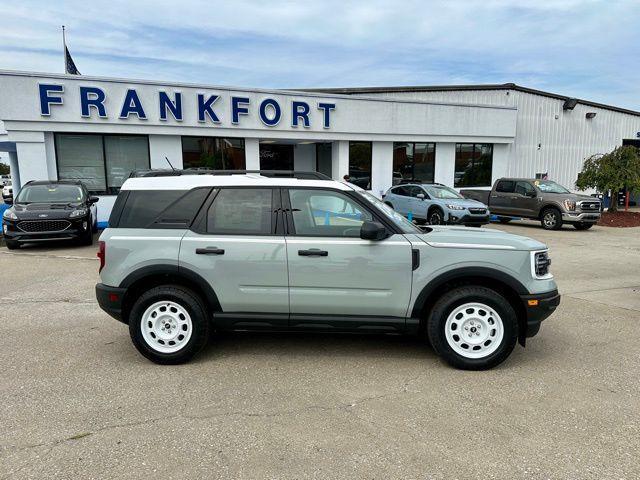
(69, 65)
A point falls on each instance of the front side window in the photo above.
(326, 213)
(360, 164)
(241, 211)
(414, 162)
(101, 162)
(216, 153)
(473, 165)
(525, 189)
(53, 193)
(442, 192)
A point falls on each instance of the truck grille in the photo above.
(590, 206)
(31, 226)
(478, 211)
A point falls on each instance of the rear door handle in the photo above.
(313, 252)
(209, 251)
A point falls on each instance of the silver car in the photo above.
(186, 255)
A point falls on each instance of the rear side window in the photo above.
(402, 191)
(143, 206)
(505, 186)
(241, 211)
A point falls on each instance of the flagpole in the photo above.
(64, 49)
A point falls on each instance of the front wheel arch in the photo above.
(434, 209)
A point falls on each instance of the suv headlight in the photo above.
(456, 207)
(540, 263)
(79, 212)
(9, 214)
(570, 205)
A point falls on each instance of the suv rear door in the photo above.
(237, 246)
(337, 279)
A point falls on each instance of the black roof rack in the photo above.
(302, 175)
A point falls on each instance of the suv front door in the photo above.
(237, 246)
(337, 279)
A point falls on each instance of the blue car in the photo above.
(436, 204)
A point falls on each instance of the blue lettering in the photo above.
(175, 107)
(92, 97)
(300, 110)
(237, 109)
(131, 105)
(326, 111)
(277, 113)
(205, 108)
(46, 100)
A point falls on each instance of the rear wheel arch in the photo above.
(496, 280)
(147, 278)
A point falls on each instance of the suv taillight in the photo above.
(101, 255)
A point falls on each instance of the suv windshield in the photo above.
(547, 186)
(440, 191)
(53, 193)
(405, 225)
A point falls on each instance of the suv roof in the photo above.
(187, 182)
(55, 182)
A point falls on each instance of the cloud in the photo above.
(583, 48)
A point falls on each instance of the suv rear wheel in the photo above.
(168, 324)
(551, 219)
(473, 328)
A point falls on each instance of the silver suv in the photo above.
(185, 255)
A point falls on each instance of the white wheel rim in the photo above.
(166, 326)
(474, 330)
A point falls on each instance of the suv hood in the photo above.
(35, 211)
(480, 238)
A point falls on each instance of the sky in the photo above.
(582, 48)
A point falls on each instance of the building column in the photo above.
(381, 167)
(339, 159)
(32, 162)
(445, 167)
(252, 153)
(15, 171)
(500, 167)
(163, 147)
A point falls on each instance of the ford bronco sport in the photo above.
(185, 255)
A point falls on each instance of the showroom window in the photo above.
(474, 162)
(414, 162)
(101, 162)
(360, 164)
(213, 152)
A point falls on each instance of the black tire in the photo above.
(504, 219)
(551, 219)
(187, 300)
(12, 244)
(436, 217)
(582, 226)
(445, 305)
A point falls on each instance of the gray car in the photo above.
(436, 204)
(188, 255)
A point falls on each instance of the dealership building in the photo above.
(100, 129)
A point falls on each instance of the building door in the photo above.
(276, 157)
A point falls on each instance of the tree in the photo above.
(612, 172)
(4, 169)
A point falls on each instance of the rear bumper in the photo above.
(591, 217)
(538, 307)
(110, 300)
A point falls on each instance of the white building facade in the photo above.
(98, 130)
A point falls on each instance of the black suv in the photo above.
(50, 210)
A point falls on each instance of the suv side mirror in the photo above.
(93, 199)
(420, 196)
(373, 231)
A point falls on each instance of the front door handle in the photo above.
(313, 252)
(209, 251)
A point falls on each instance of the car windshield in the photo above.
(547, 186)
(52, 193)
(405, 225)
(440, 191)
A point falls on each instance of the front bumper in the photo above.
(584, 217)
(110, 300)
(77, 229)
(538, 307)
(465, 218)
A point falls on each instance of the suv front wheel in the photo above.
(168, 324)
(473, 328)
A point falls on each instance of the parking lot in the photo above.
(78, 401)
